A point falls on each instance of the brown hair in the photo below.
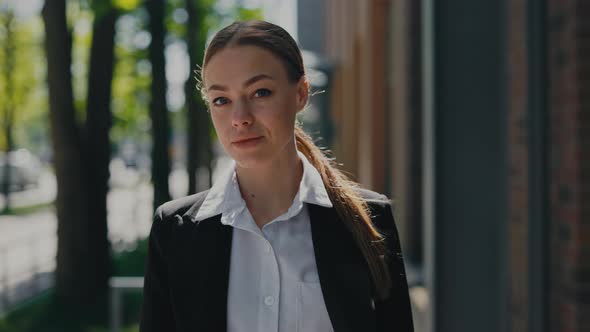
(350, 207)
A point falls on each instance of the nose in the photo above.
(242, 115)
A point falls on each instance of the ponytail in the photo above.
(352, 210)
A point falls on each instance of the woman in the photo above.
(282, 242)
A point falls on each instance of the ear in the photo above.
(302, 93)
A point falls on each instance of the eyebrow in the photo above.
(248, 82)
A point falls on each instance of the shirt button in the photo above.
(269, 300)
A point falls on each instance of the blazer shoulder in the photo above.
(381, 208)
(377, 202)
(372, 196)
(180, 206)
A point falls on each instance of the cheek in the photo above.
(281, 126)
(220, 127)
(287, 115)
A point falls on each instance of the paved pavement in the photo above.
(419, 297)
(43, 193)
(28, 243)
(27, 256)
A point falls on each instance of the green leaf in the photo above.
(245, 14)
(126, 5)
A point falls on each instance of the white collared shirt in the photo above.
(274, 283)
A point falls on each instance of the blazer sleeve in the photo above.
(395, 312)
(156, 312)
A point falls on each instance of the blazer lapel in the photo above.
(344, 275)
(203, 262)
(215, 274)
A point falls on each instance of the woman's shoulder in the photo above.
(372, 196)
(180, 206)
(378, 203)
(170, 218)
(381, 208)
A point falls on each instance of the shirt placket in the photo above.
(270, 285)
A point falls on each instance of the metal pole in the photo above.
(115, 310)
(35, 287)
(5, 289)
(118, 285)
(429, 158)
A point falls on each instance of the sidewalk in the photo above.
(28, 243)
(419, 298)
(44, 193)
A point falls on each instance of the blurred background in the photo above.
(473, 116)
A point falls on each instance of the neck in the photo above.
(269, 190)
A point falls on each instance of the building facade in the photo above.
(474, 117)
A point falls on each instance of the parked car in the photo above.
(25, 169)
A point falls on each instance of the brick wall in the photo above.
(568, 25)
(518, 163)
(569, 71)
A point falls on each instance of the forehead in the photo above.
(239, 63)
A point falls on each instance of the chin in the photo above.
(251, 160)
(261, 156)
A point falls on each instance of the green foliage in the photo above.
(229, 14)
(244, 14)
(23, 317)
(26, 210)
(131, 80)
(81, 18)
(25, 91)
(175, 19)
(131, 263)
(100, 7)
(126, 5)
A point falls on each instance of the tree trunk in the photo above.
(81, 162)
(7, 174)
(72, 206)
(199, 142)
(8, 104)
(158, 107)
(98, 150)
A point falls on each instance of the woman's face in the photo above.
(252, 104)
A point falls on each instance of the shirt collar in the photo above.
(311, 188)
(224, 196)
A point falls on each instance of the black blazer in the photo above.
(187, 271)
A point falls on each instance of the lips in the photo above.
(247, 139)
(247, 142)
